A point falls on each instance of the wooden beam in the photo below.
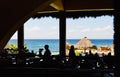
(19, 14)
(58, 5)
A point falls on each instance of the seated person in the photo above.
(47, 53)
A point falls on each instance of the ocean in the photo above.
(36, 44)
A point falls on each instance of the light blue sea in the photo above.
(36, 44)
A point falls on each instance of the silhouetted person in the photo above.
(47, 55)
(91, 60)
(47, 51)
(32, 53)
(72, 58)
(40, 52)
(109, 60)
(72, 52)
(90, 53)
(109, 54)
(96, 55)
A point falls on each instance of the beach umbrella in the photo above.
(112, 47)
(68, 45)
(84, 43)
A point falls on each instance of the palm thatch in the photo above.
(84, 43)
(75, 15)
(68, 45)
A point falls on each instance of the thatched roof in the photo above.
(84, 43)
(75, 14)
(68, 45)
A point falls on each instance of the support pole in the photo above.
(21, 37)
(62, 35)
(21, 58)
(117, 38)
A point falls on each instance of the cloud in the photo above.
(53, 32)
(37, 32)
(49, 28)
(96, 32)
(85, 30)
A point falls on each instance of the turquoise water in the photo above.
(35, 44)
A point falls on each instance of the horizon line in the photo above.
(57, 38)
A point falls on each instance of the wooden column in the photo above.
(62, 35)
(117, 38)
(21, 58)
(21, 37)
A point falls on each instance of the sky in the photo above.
(48, 28)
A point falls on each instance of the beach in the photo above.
(94, 51)
(36, 44)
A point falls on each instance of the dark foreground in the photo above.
(54, 72)
(30, 65)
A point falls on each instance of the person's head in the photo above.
(109, 54)
(90, 52)
(72, 47)
(46, 46)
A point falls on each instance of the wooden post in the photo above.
(62, 35)
(21, 37)
(117, 37)
(21, 58)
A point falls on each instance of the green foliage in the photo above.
(78, 53)
(14, 46)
